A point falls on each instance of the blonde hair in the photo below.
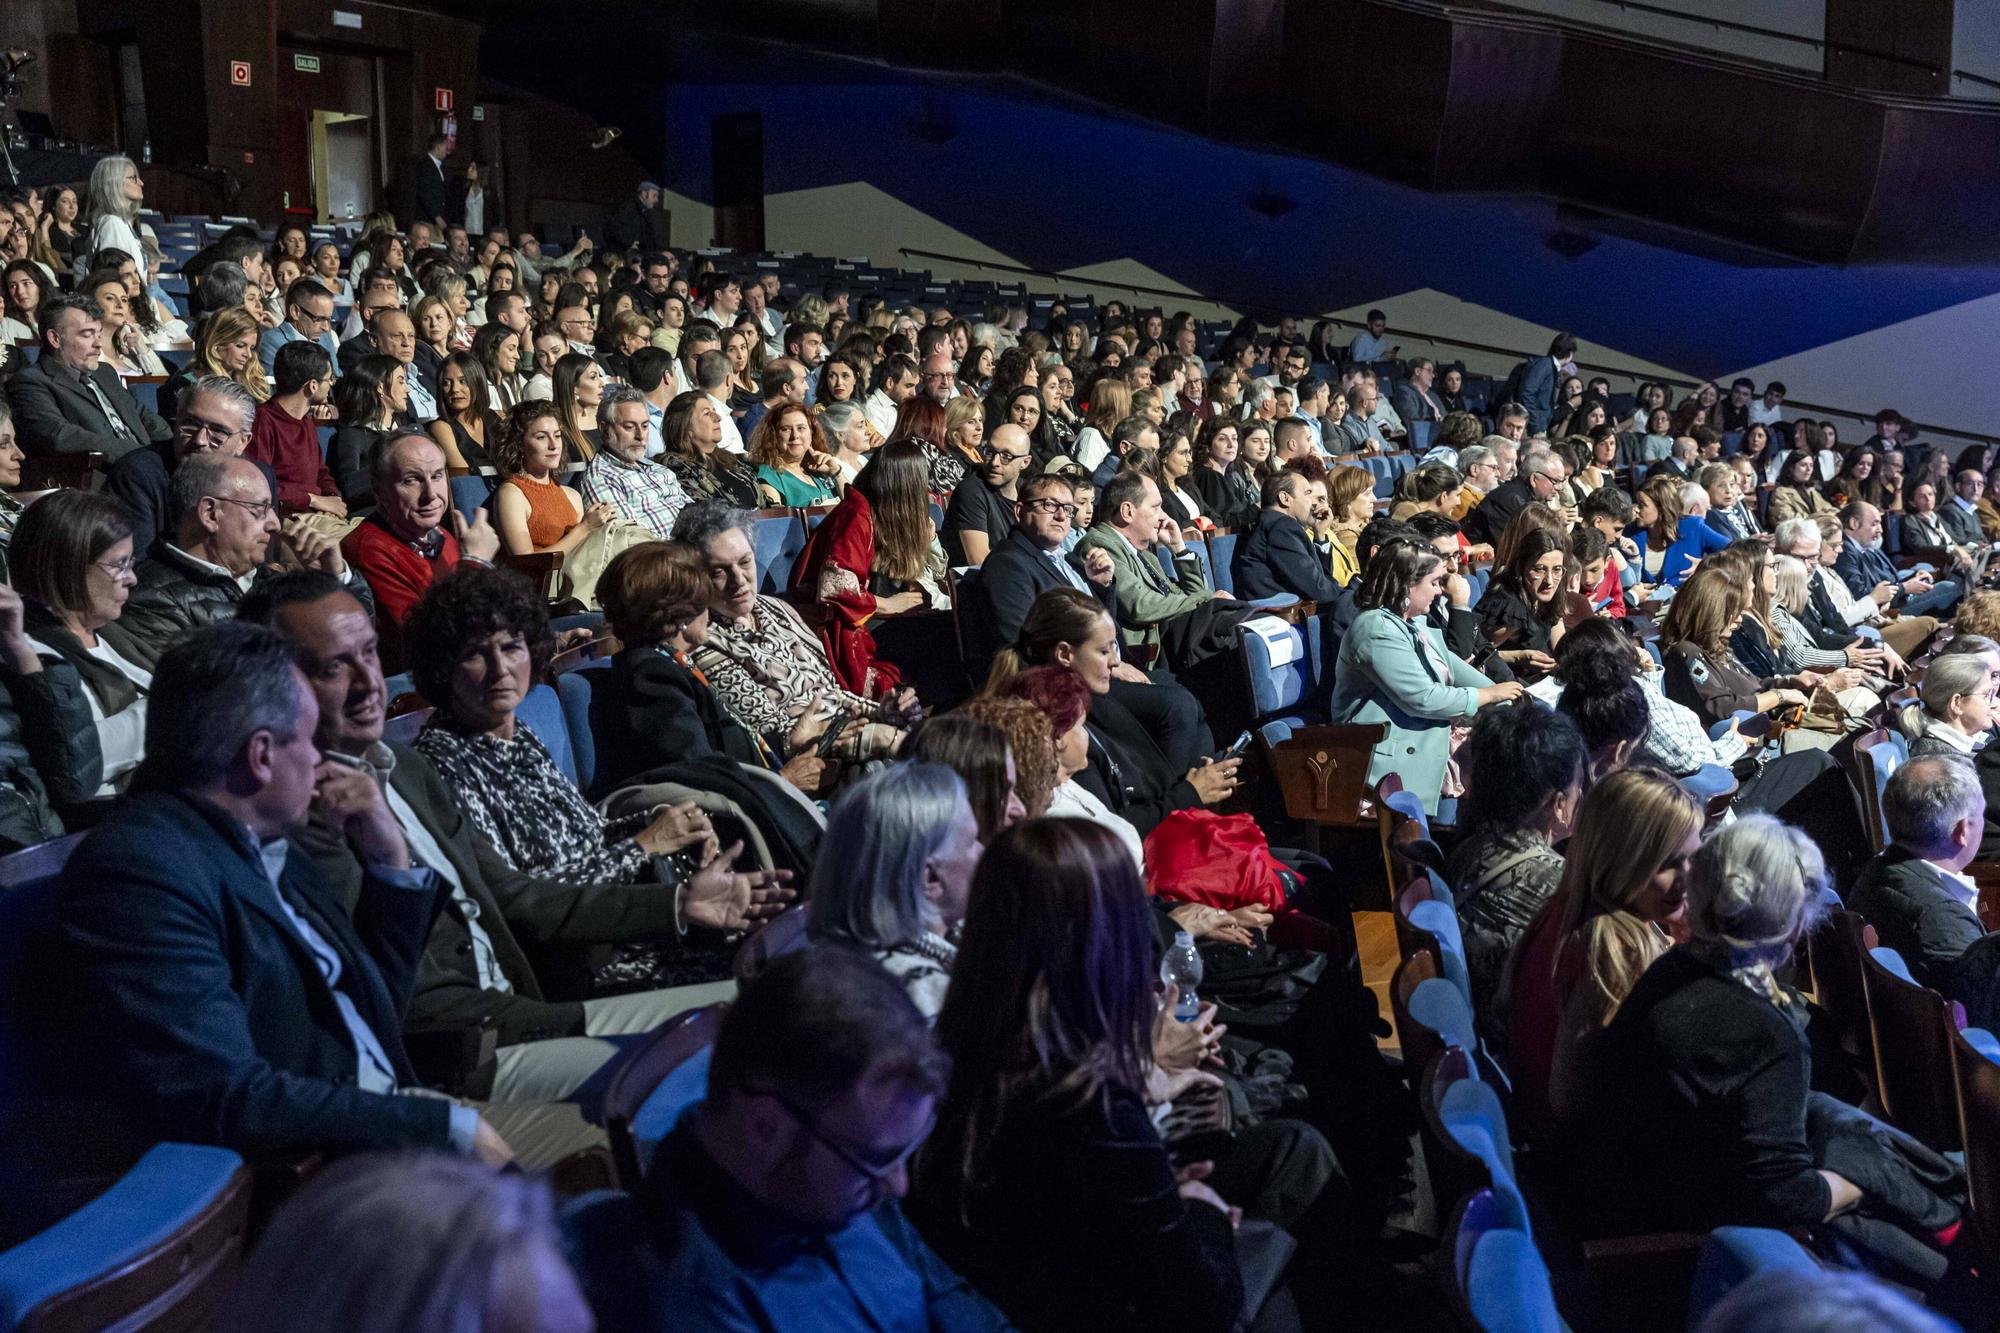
(1110, 403)
(1629, 827)
(424, 306)
(226, 326)
(1790, 583)
(966, 407)
(1979, 615)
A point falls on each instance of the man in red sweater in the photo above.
(286, 432)
(404, 546)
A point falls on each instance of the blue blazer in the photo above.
(1538, 392)
(1381, 676)
(1692, 540)
(1276, 558)
(1862, 567)
(196, 1006)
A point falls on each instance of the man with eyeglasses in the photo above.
(773, 1203)
(577, 326)
(982, 508)
(379, 292)
(225, 528)
(308, 318)
(214, 417)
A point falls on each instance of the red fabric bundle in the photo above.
(1221, 861)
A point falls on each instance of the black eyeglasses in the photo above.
(1055, 507)
(997, 454)
(872, 1171)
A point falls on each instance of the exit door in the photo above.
(329, 148)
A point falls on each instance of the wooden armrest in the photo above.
(541, 567)
(1322, 771)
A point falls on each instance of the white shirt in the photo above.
(1076, 802)
(879, 411)
(121, 738)
(732, 438)
(1761, 415)
(1960, 885)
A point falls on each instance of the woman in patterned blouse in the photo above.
(762, 659)
(691, 429)
(476, 642)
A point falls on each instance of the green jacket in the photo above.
(1146, 596)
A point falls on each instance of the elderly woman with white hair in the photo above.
(1699, 1110)
(894, 872)
(1954, 712)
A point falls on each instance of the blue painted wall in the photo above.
(1059, 185)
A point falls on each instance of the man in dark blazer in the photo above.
(1541, 377)
(1539, 477)
(1916, 894)
(429, 191)
(213, 416)
(476, 971)
(69, 402)
(1031, 562)
(1276, 557)
(209, 985)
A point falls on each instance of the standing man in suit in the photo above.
(1130, 526)
(1540, 379)
(212, 988)
(430, 189)
(69, 402)
(1916, 893)
(1276, 558)
(638, 221)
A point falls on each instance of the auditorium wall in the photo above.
(1055, 184)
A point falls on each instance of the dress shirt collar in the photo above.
(1958, 884)
(377, 759)
(242, 580)
(1965, 504)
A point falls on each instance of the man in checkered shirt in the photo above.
(622, 476)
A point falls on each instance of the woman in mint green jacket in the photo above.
(1394, 668)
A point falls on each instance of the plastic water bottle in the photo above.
(1182, 967)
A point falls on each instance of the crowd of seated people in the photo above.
(1620, 656)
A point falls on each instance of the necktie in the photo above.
(118, 426)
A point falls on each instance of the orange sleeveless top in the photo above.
(550, 513)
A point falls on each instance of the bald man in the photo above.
(982, 508)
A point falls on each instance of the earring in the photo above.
(1406, 601)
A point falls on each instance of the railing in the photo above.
(1747, 29)
(1511, 354)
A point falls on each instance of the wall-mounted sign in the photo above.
(479, 113)
(346, 18)
(304, 63)
(239, 73)
(442, 100)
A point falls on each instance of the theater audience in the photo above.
(1916, 893)
(874, 556)
(643, 492)
(1955, 712)
(214, 417)
(414, 536)
(477, 971)
(1699, 1101)
(1133, 767)
(1525, 769)
(692, 430)
(285, 436)
(203, 958)
(1229, 490)
(69, 401)
(1277, 556)
(1620, 892)
(1045, 1181)
(1393, 668)
(984, 505)
(534, 511)
(475, 644)
(409, 1243)
(222, 526)
(71, 562)
(760, 657)
(1130, 526)
(767, 1200)
(893, 876)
